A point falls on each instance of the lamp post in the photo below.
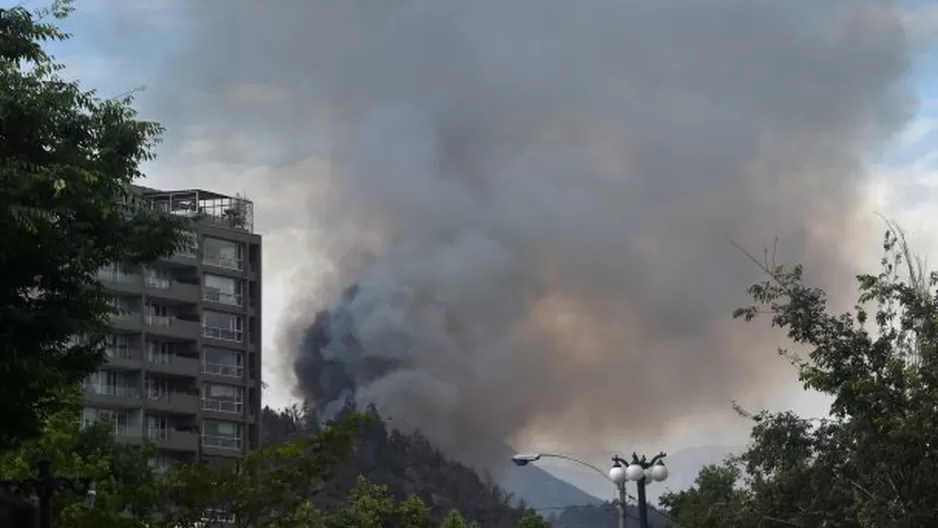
(641, 471)
(528, 458)
(45, 484)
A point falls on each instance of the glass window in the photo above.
(221, 435)
(225, 290)
(222, 398)
(219, 325)
(222, 362)
(223, 253)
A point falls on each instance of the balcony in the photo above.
(110, 394)
(219, 261)
(223, 334)
(128, 321)
(173, 402)
(173, 440)
(217, 296)
(165, 288)
(225, 371)
(222, 443)
(119, 281)
(173, 327)
(123, 357)
(173, 364)
(222, 406)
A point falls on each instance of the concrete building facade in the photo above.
(184, 359)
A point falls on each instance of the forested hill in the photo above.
(407, 465)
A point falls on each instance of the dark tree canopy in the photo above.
(871, 462)
(67, 208)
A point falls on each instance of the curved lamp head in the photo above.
(648, 477)
(523, 459)
(634, 472)
(617, 474)
(659, 472)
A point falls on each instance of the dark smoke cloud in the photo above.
(535, 198)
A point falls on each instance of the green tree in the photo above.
(371, 506)
(871, 462)
(269, 488)
(531, 519)
(123, 482)
(67, 162)
(715, 501)
(454, 520)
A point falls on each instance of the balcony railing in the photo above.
(124, 314)
(127, 431)
(217, 296)
(219, 369)
(159, 320)
(224, 334)
(159, 357)
(120, 352)
(159, 283)
(157, 433)
(113, 275)
(224, 406)
(223, 262)
(221, 442)
(107, 389)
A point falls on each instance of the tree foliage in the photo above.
(275, 487)
(870, 462)
(268, 488)
(123, 481)
(67, 161)
(405, 466)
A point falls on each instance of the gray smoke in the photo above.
(534, 198)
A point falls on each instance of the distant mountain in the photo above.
(541, 490)
(408, 464)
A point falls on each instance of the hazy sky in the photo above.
(121, 45)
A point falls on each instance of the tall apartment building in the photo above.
(184, 358)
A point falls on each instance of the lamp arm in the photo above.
(578, 461)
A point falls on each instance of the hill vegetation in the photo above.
(407, 465)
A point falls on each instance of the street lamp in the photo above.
(44, 484)
(641, 471)
(527, 458)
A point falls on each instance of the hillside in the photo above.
(409, 465)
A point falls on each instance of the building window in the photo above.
(224, 326)
(222, 362)
(222, 398)
(126, 423)
(159, 352)
(158, 389)
(158, 315)
(157, 278)
(124, 307)
(118, 384)
(157, 428)
(221, 435)
(224, 290)
(223, 253)
(119, 346)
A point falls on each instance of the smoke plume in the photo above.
(532, 200)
